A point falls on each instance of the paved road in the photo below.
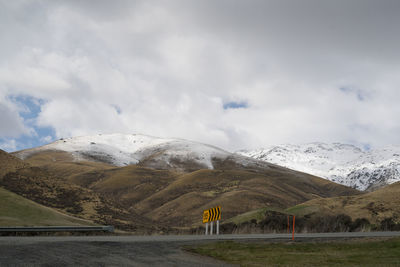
(131, 250)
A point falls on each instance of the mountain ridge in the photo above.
(126, 149)
(165, 188)
(341, 163)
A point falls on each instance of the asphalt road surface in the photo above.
(132, 250)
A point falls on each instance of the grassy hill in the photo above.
(44, 181)
(136, 197)
(375, 206)
(147, 200)
(16, 210)
(62, 164)
(378, 210)
(19, 211)
(237, 191)
(9, 163)
(143, 199)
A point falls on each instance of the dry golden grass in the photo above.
(237, 191)
(176, 199)
(50, 186)
(140, 196)
(374, 206)
(9, 163)
(63, 165)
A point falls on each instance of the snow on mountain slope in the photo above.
(125, 149)
(340, 163)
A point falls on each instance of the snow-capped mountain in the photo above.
(126, 149)
(340, 163)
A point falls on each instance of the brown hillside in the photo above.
(19, 211)
(127, 185)
(44, 188)
(375, 206)
(9, 163)
(62, 163)
(174, 199)
(237, 191)
(137, 197)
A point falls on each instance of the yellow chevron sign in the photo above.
(213, 214)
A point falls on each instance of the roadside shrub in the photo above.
(274, 222)
(228, 228)
(360, 224)
(389, 224)
(342, 223)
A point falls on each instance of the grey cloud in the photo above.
(310, 39)
(167, 67)
(11, 124)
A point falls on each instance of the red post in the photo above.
(294, 219)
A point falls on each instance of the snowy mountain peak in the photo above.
(341, 163)
(125, 149)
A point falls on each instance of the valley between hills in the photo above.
(166, 184)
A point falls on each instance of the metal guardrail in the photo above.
(107, 228)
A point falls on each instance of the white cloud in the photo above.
(46, 139)
(167, 68)
(11, 123)
(8, 145)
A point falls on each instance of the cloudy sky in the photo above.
(235, 74)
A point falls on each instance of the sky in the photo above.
(235, 74)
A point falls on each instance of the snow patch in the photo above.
(126, 149)
(341, 163)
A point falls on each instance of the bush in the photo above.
(389, 224)
(360, 224)
(274, 221)
(277, 222)
(228, 228)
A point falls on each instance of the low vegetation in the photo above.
(9, 163)
(256, 197)
(140, 199)
(375, 206)
(274, 221)
(375, 211)
(369, 252)
(18, 211)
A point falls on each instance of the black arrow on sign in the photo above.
(218, 214)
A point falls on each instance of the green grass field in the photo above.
(257, 214)
(351, 253)
(18, 211)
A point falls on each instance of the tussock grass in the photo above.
(9, 163)
(137, 196)
(374, 206)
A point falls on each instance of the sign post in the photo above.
(294, 219)
(211, 215)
